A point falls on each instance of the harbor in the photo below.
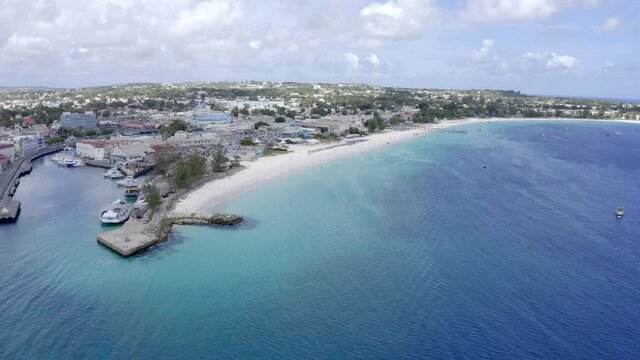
(10, 179)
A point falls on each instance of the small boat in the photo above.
(620, 212)
(129, 181)
(113, 173)
(116, 213)
(132, 191)
(74, 162)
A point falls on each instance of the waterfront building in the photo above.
(97, 149)
(185, 139)
(8, 149)
(131, 152)
(86, 121)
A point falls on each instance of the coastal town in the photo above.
(182, 135)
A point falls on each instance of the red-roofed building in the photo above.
(8, 150)
(28, 121)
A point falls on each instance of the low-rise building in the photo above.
(97, 149)
(185, 139)
(131, 152)
(8, 149)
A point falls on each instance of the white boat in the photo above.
(74, 162)
(114, 173)
(116, 213)
(129, 181)
(620, 212)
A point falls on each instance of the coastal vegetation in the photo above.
(247, 142)
(154, 200)
(219, 161)
(375, 124)
(259, 124)
(188, 170)
(171, 129)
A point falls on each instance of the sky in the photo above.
(546, 47)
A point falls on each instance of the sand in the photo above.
(301, 157)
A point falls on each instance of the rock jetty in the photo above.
(136, 235)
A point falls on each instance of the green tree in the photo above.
(247, 142)
(154, 200)
(219, 161)
(395, 120)
(259, 124)
(280, 119)
(188, 171)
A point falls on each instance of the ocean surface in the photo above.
(500, 243)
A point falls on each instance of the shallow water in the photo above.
(414, 250)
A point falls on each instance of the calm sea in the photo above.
(500, 243)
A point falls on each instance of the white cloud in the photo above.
(483, 52)
(397, 19)
(608, 65)
(552, 61)
(207, 16)
(353, 61)
(611, 24)
(514, 10)
(373, 59)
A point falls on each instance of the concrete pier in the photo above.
(136, 236)
(128, 239)
(9, 210)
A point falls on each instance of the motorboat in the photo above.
(619, 212)
(132, 191)
(129, 181)
(116, 213)
(74, 162)
(114, 173)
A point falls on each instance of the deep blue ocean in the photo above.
(500, 243)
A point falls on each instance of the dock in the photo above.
(128, 239)
(137, 235)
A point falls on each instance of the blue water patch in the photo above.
(501, 243)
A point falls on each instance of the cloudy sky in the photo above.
(554, 47)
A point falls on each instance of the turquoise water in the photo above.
(414, 250)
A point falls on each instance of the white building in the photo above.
(97, 149)
(131, 152)
(185, 139)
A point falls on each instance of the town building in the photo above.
(185, 139)
(97, 149)
(86, 121)
(8, 150)
(131, 152)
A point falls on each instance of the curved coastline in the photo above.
(218, 192)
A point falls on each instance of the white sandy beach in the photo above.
(301, 157)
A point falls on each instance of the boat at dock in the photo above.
(74, 162)
(129, 181)
(132, 191)
(116, 213)
(114, 173)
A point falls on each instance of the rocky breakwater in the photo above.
(196, 219)
(136, 236)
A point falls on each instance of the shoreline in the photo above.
(218, 192)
